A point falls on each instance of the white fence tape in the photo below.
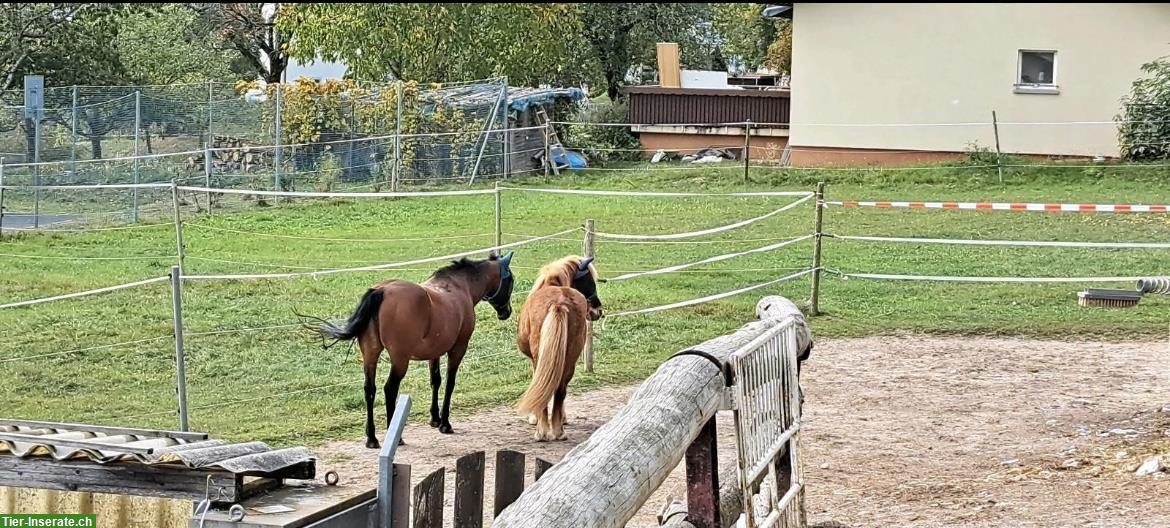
(85, 293)
(710, 298)
(655, 193)
(306, 194)
(89, 186)
(327, 239)
(713, 230)
(945, 278)
(709, 260)
(1115, 245)
(324, 272)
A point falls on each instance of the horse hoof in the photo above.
(539, 437)
(401, 442)
(446, 429)
(372, 443)
(434, 422)
(532, 419)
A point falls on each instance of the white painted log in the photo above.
(605, 480)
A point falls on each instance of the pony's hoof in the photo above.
(446, 429)
(401, 442)
(539, 437)
(562, 436)
(434, 422)
(372, 443)
(532, 419)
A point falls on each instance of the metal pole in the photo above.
(386, 505)
(507, 149)
(397, 169)
(278, 157)
(73, 136)
(814, 303)
(37, 169)
(178, 223)
(180, 363)
(589, 252)
(998, 155)
(137, 133)
(210, 140)
(499, 218)
(1, 197)
(747, 147)
(207, 175)
(487, 130)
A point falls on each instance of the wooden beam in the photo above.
(59, 426)
(621, 464)
(120, 478)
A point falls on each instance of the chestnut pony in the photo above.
(552, 333)
(416, 322)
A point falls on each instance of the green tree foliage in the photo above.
(1144, 121)
(250, 30)
(625, 35)
(753, 40)
(65, 42)
(529, 43)
(165, 46)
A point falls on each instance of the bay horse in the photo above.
(552, 333)
(422, 322)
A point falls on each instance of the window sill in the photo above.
(1039, 89)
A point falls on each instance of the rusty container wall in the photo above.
(112, 511)
(654, 105)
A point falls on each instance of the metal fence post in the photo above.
(998, 154)
(815, 299)
(277, 156)
(590, 251)
(73, 136)
(1, 197)
(178, 223)
(180, 362)
(386, 504)
(499, 218)
(396, 173)
(137, 134)
(747, 148)
(210, 137)
(37, 168)
(207, 175)
(489, 125)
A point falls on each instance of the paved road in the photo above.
(25, 220)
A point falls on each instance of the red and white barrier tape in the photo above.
(1008, 206)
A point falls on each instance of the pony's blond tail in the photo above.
(550, 362)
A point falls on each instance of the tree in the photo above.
(753, 40)
(61, 41)
(251, 30)
(625, 35)
(529, 43)
(1144, 121)
(167, 46)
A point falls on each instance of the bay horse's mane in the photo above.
(464, 267)
(561, 273)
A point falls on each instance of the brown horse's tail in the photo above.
(550, 361)
(366, 311)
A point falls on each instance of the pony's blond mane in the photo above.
(561, 273)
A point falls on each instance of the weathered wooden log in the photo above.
(605, 480)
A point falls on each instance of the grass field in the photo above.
(267, 383)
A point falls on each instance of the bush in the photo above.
(601, 144)
(1144, 122)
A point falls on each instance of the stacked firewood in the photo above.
(234, 155)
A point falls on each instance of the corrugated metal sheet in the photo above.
(250, 457)
(654, 105)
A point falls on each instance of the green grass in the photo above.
(134, 385)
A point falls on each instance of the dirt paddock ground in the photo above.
(914, 431)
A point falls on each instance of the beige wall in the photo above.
(955, 63)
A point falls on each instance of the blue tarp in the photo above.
(519, 99)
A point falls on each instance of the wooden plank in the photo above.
(118, 478)
(612, 473)
(469, 477)
(669, 74)
(61, 426)
(400, 491)
(81, 444)
(542, 465)
(428, 500)
(509, 478)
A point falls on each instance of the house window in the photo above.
(1036, 72)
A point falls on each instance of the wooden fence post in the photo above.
(428, 500)
(818, 234)
(703, 478)
(998, 154)
(469, 473)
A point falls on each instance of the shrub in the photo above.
(601, 144)
(1144, 122)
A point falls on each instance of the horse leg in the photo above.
(371, 348)
(532, 372)
(558, 413)
(398, 368)
(453, 359)
(436, 380)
